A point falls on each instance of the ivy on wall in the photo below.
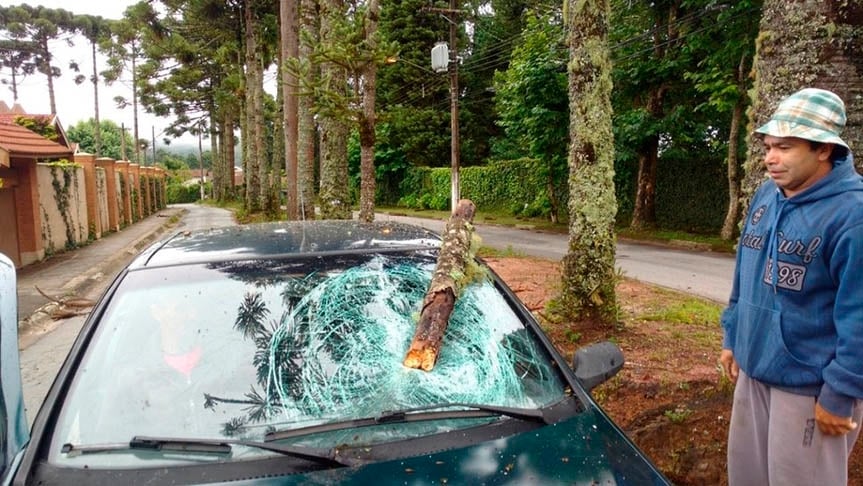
(63, 181)
(121, 200)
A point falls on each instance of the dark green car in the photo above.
(273, 354)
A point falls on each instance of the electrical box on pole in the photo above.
(445, 59)
(440, 57)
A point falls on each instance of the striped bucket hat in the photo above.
(811, 114)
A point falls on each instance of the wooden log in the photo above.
(449, 277)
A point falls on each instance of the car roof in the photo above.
(282, 239)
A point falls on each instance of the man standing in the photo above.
(793, 327)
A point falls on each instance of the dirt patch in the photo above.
(670, 397)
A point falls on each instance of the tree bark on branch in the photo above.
(447, 280)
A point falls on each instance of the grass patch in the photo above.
(489, 252)
(688, 310)
(678, 415)
(481, 217)
(711, 242)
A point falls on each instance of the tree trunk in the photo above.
(218, 161)
(829, 43)
(334, 164)
(665, 37)
(334, 132)
(729, 226)
(444, 288)
(367, 168)
(307, 130)
(277, 157)
(289, 50)
(49, 73)
(250, 155)
(265, 164)
(552, 200)
(228, 150)
(14, 85)
(135, 103)
(368, 120)
(644, 213)
(589, 277)
(97, 129)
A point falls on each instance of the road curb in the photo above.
(81, 284)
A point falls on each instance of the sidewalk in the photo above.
(74, 273)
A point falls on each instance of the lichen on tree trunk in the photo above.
(588, 280)
(450, 276)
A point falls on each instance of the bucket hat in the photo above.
(811, 114)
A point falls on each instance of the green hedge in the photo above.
(513, 186)
(178, 193)
(691, 194)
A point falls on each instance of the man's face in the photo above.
(793, 164)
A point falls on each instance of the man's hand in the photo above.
(830, 424)
(729, 365)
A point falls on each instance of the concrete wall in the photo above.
(102, 200)
(63, 206)
(55, 207)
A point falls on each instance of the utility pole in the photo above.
(123, 141)
(453, 108)
(201, 161)
(451, 15)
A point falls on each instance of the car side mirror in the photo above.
(595, 364)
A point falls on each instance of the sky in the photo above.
(75, 102)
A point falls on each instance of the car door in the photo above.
(14, 434)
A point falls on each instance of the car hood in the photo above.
(585, 449)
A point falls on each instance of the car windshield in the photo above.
(240, 348)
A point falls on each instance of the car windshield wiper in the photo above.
(210, 446)
(419, 414)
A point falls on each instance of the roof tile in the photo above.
(19, 141)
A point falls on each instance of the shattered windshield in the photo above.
(239, 349)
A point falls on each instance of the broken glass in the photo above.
(240, 348)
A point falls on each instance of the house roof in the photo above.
(20, 142)
(16, 109)
(45, 119)
(10, 117)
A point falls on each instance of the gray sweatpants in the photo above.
(773, 440)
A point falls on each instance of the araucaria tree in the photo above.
(589, 276)
(34, 27)
(95, 29)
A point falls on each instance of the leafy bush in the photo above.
(179, 193)
(514, 186)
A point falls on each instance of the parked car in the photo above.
(273, 354)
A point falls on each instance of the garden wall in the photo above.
(63, 206)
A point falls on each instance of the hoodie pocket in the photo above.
(762, 353)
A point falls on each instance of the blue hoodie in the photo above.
(798, 325)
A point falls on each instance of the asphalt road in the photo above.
(704, 274)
